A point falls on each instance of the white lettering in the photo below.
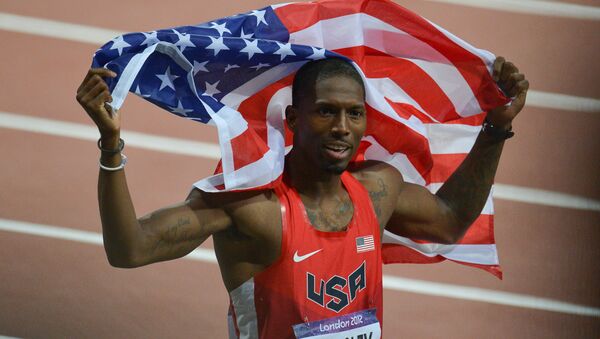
(334, 326)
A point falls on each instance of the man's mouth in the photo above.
(337, 151)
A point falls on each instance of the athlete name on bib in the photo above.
(358, 325)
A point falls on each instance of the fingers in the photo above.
(520, 96)
(100, 72)
(511, 87)
(497, 68)
(507, 75)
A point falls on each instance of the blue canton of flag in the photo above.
(191, 71)
(365, 244)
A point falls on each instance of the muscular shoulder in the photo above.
(383, 182)
(250, 212)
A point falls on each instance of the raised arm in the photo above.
(168, 233)
(446, 216)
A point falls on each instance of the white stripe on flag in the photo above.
(467, 253)
(436, 65)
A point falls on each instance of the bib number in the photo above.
(358, 325)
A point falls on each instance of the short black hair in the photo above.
(313, 71)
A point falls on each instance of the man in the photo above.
(303, 258)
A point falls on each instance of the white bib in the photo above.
(358, 325)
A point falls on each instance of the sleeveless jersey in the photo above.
(322, 281)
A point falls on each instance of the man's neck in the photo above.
(310, 180)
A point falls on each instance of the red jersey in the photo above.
(322, 280)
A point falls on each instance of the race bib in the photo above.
(358, 325)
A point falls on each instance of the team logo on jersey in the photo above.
(337, 292)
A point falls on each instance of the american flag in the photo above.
(365, 244)
(426, 91)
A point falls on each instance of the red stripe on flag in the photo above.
(474, 120)
(302, 15)
(407, 75)
(443, 166)
(248, 147)
(481, 232)
(468, 64)
(394, 135)
(298, 16)
(254, 108)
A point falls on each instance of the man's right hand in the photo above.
(93, 95)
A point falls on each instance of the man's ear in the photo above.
(291, 116)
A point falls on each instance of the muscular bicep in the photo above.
(419, 214)
(175, 231)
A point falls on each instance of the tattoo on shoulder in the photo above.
(377, 195)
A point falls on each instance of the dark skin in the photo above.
(246, 226)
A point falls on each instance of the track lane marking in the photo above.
(389, 282)
(535, 7)
(97, 36)
(212, 151)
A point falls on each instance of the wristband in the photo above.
(112, 151)
(496, 132)
(113, 169)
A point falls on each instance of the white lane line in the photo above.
(212, 151)
(537, 7)
(56, 29)
(544, 197)
(562, 102)
(389, 282)
(98, 36)
(87, 132)
(486, 295)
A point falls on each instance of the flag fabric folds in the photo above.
(426, 91)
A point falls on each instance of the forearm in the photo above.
(467, 189)
(120, 227)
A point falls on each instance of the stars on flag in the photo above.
(259, 66)
(200, 67)
(184, 41)
(180, 109)
(119, 44)
(167, 79)
(251, 48)
(211, 89)
(260, 17)
(318, 53)
(246, 36)
(228, 67)
(149, 38)
(139, 93)
(217, 45)
(221, 28)
(284, 50)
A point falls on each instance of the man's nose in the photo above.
(340, 124)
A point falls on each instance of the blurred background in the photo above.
(55, 281)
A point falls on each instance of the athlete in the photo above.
(303, 259)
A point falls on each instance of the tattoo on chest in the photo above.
(332, 220)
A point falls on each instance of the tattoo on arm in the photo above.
(467, 189)
(377, 196)
(171, 235)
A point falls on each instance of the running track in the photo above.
(56, 282)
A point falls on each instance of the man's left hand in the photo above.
(515, 86)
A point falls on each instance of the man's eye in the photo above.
(356, 113)
(325, 111)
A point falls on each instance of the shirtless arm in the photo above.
(168, 233)
(446, 216)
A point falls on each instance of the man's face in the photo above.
(329, 126)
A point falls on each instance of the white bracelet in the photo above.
(113, 169)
